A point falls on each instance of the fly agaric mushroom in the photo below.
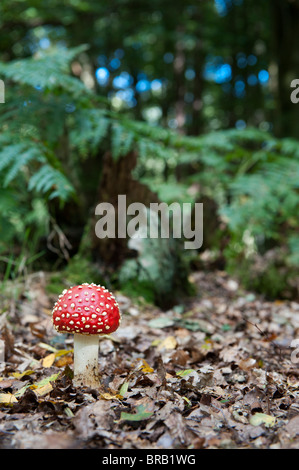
(87, 310)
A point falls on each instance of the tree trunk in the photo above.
(117, 180)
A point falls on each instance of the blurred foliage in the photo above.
(197, 91)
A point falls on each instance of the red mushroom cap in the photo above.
(87, 309)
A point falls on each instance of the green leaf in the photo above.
(161, 322)
(195, 325)
(123, 389)
(183, 373)
(47, 380)
(140, 414)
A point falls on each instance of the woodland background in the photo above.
(180, 104)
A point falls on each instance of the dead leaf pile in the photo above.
(219, 371)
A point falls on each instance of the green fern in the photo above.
(49, 180)
(48, 70)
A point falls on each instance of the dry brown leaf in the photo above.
(247, 364)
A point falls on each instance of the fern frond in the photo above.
(91, 126)
(48, 179)
(47, 70)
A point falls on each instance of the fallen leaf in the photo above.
(145, 367)
(19, 375)
(42, 387)
(247, 364)
(183, 373)
(7, 398)
(110, 396)
(123, 389)
(48, 361)
(140, 414)
(47, 347)
(63, 361)
(196, 325)
(293, 427)
(168, 343)
(43, 390)
(22, 390)
(161, 322)
(261, 418)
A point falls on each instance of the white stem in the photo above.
(86, 363)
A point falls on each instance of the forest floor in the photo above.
(215, 372)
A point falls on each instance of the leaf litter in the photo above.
(215, 372)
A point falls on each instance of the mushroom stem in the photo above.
(86, 366)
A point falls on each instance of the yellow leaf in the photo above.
(167, 343)
(63, 352)
(146, 368)
(261, 418)
(41, 391)
(19, 375)
(48, 360)
(109, 396)
(7, 398)
(44, 386)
